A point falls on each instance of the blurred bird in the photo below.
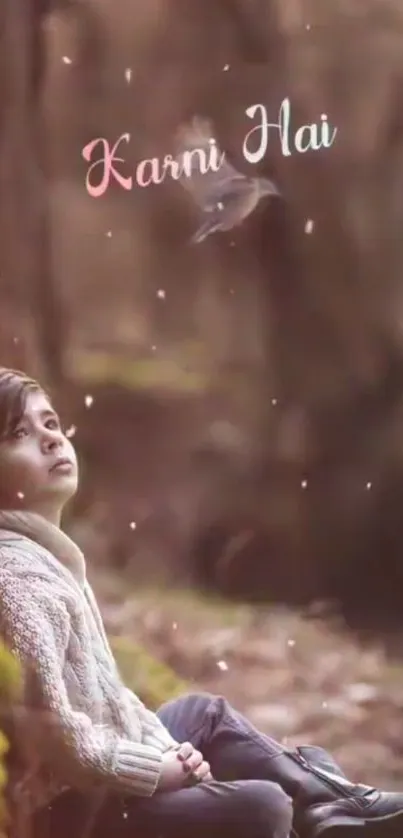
(225, 197)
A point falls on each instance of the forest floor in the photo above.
(299, 678)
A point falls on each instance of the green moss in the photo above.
(151, 679)
(194, 606)
(10, 676)
(10, 687)
(94, 368)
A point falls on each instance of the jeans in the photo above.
(242, 800)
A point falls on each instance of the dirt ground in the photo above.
(297, 677)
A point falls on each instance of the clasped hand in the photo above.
(182, 767)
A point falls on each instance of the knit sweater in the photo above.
(80, 726)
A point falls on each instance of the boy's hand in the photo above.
(193, 763)
(176, 774)
(172, 777)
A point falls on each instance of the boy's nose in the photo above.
(52, 443)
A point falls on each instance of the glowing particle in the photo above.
(71, 431)
(309, 226)
(89, 400)
(133, 525)
(222, 665)
(161, 294)
(66, 59)
(128, 74)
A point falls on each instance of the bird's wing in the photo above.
(207, 188)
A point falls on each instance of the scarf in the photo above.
(52, 538)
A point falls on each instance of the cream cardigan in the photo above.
(79, 725)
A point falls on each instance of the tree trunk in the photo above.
(27, 253)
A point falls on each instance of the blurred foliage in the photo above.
(151, 679)
(10, 688)
(3, 782)
(92, 368)
(10, 676)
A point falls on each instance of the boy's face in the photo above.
(38, 464)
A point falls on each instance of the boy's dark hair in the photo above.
(15, 386)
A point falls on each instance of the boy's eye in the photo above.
(18, 433)
(53, 424)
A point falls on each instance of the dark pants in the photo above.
(241, 802)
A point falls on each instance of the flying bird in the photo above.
(224, 197)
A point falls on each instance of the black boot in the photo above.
(327, 804)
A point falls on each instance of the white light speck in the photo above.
(324, 704)
(153, 347)
(220, 205)
(274, 402)
(66, 59)
(109, 234)
(225, 68)
(71, 431)
(161, 294)
(89, 400)
(133, 525)
(128, 74)
(290, 642)
(20, 495)
(308, 26)
(304, 484)
(16, 340)
(369, 486)
(222, 665)
(174, 626)
(309, 226)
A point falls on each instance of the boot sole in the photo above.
(388, 826)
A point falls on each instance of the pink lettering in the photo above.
(155, 175)
(172, 167)
(107, 162)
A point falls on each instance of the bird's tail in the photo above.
(208, 226)
(268, 187)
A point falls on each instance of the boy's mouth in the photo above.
(63, 464)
